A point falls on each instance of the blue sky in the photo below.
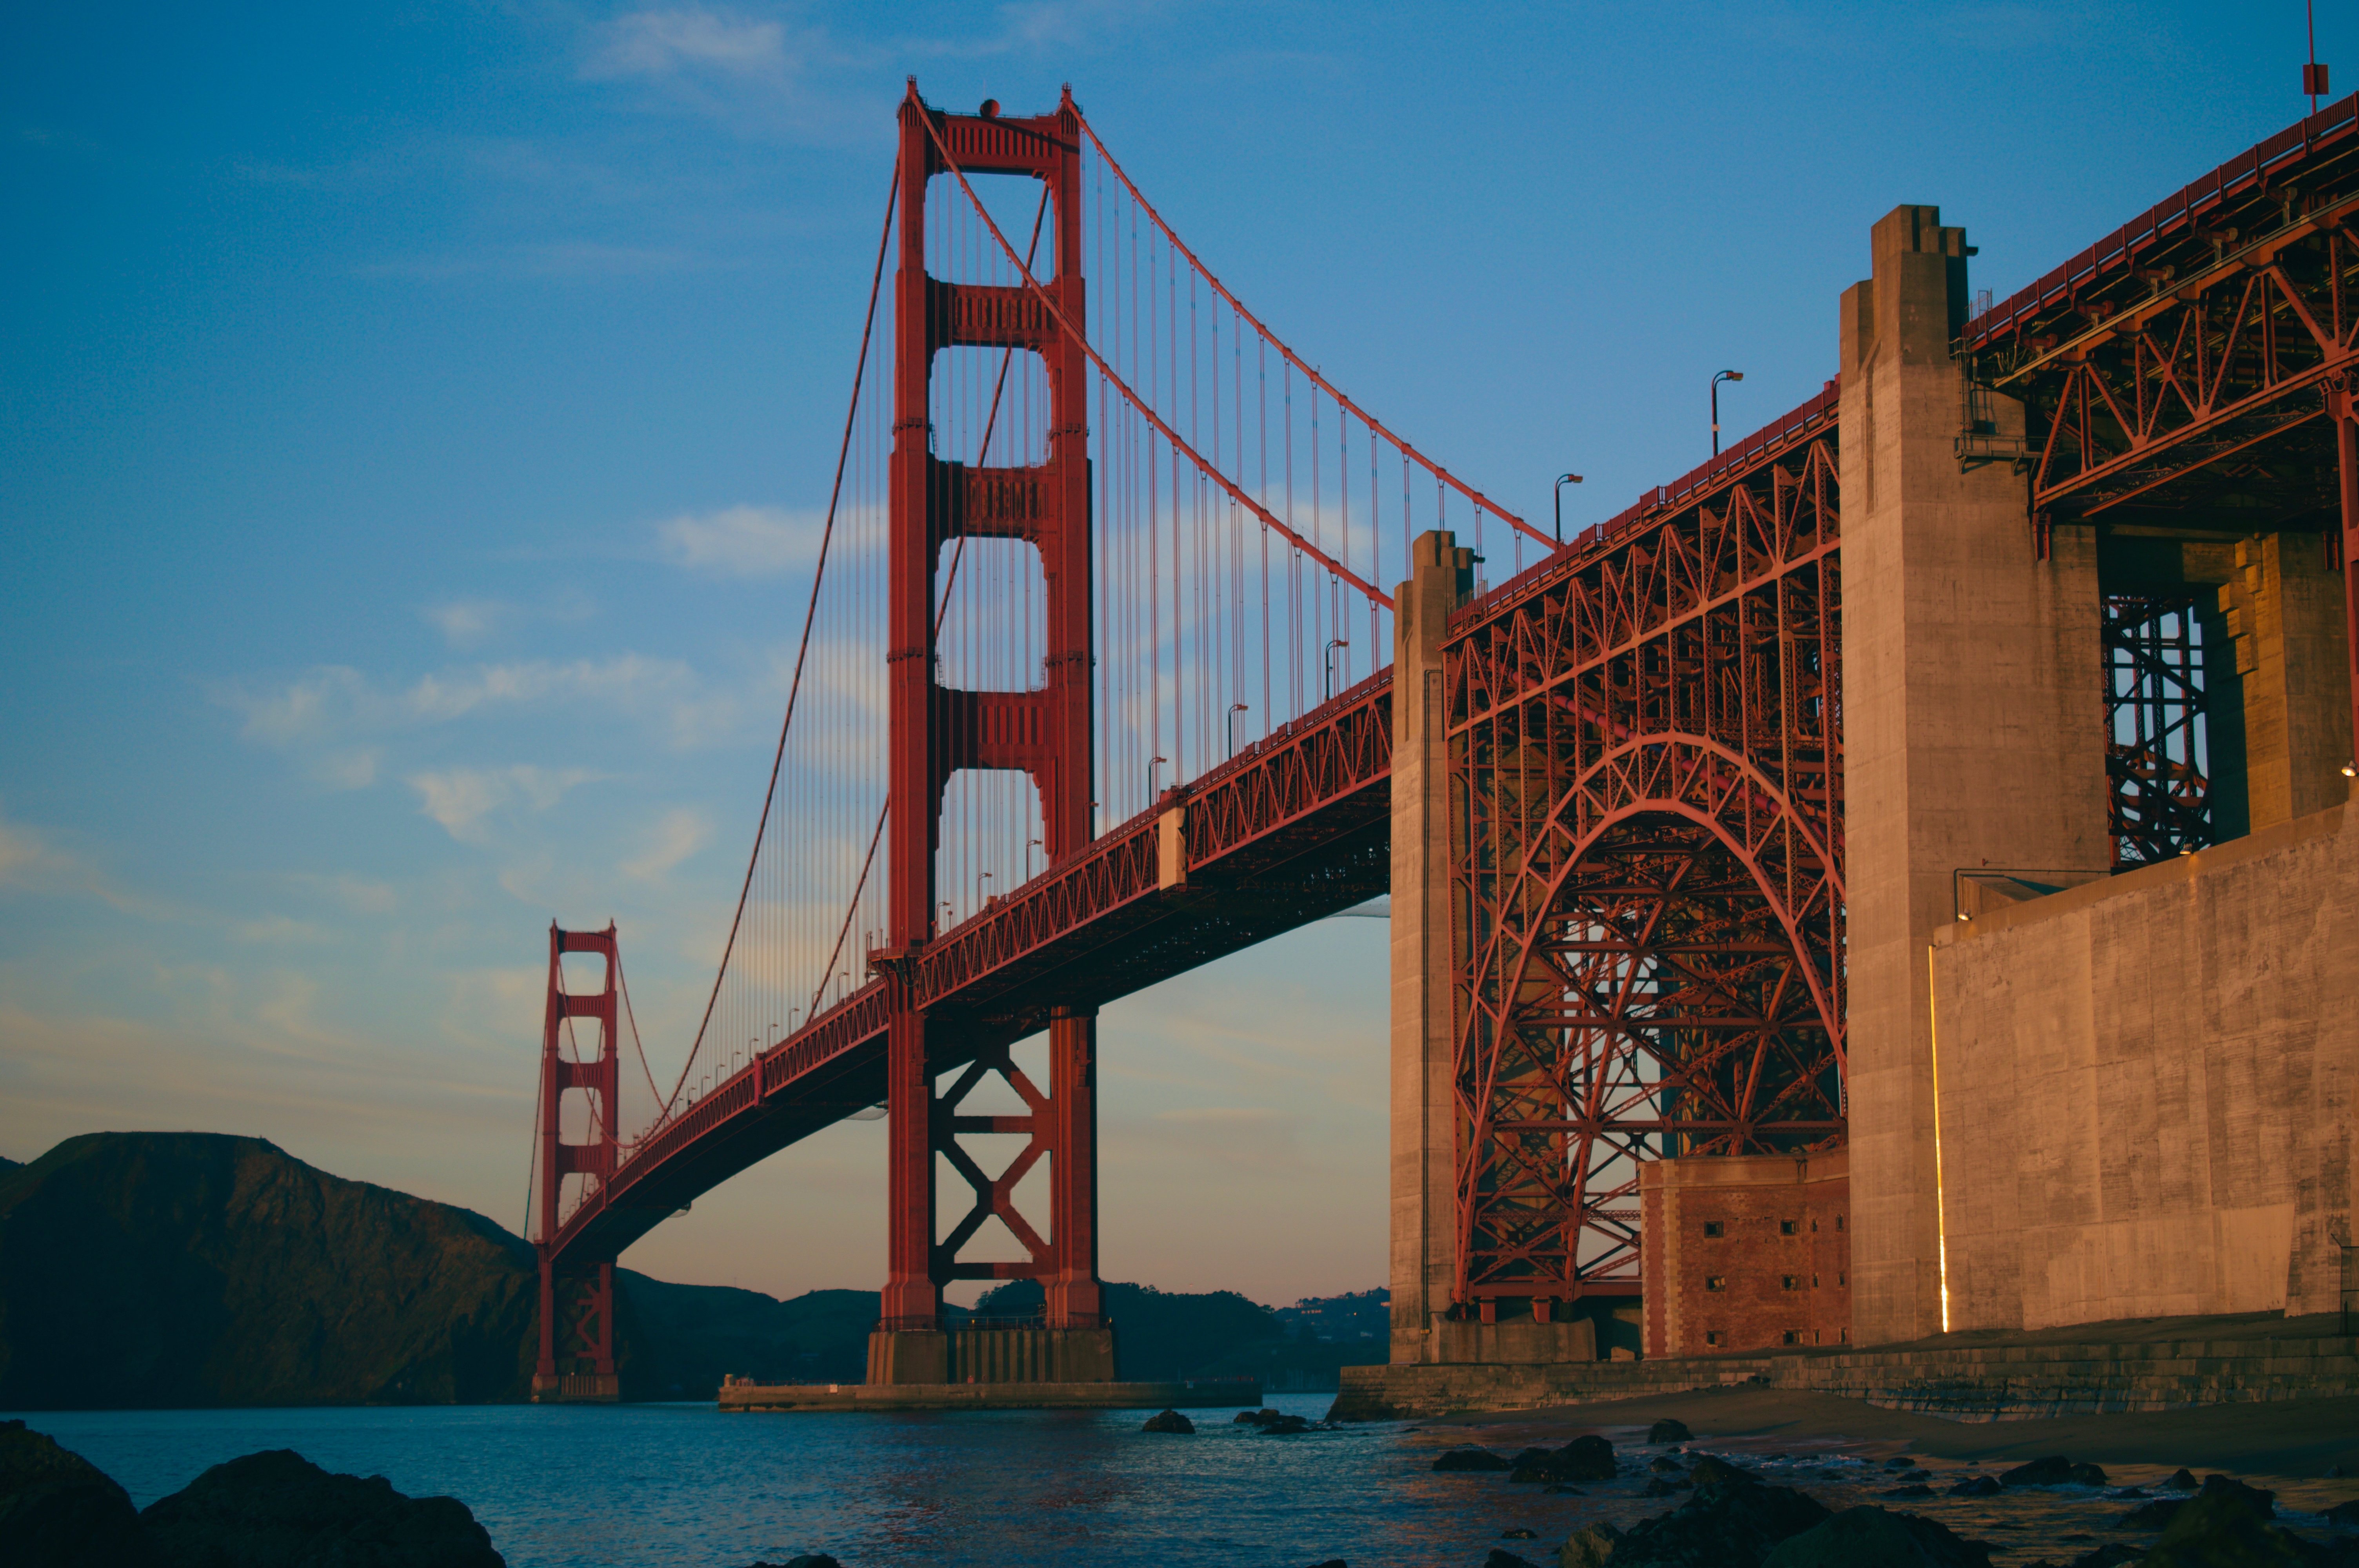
(409, 414)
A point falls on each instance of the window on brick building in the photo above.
(1838, 1222)
(1814, 1282)
(1712, 1227)
(1716, 1282)
(1842, 1279)
(1793, 1337)
(1792, 1283)
(1711, 1336)
(1785, 1227)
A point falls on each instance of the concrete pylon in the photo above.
(1424, 1149)
(2283, 610)
(1973, 725)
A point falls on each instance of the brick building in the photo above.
(1747, 1253)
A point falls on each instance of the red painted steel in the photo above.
(577, 1308)
(1646, 757)
(1645, 741)
(937, 730)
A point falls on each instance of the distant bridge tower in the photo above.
(937, 730)
(577, 1298)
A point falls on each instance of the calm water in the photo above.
(686, 1487)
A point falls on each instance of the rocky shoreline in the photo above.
(273, 1509)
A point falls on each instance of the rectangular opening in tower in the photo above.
(991, 842)
(989, 406)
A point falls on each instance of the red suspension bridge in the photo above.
(1096, 684)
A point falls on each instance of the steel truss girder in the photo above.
(1646, 762)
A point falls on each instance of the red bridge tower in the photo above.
(937, 730)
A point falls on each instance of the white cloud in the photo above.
(278, 928)
(21, 850)
(334, 702)
(352, 769)
(743, 541)
(461, 798)
(690, 37)
(679, 833)
(464, 623)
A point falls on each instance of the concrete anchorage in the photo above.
(1973, 725)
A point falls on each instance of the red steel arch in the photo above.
(1645, 755)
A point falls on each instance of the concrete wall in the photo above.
(1424, 1147)
(2147, 1088)
(1974, 728)
(1746, 1252)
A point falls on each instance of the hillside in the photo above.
(688, 1335)
(196, 1269)
(191, 1268)
(1158, 1334)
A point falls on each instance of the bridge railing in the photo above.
(2329, 125)
(1660, 501)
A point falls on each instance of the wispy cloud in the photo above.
(743, 541)
(679, 833)
(334, 705)
(464, 623)
(461, 798)
(690, 38)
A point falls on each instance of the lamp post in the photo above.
(1332, 645)
(1561, 480)
(1152, 764)
(1234, 708)
(1723, 376)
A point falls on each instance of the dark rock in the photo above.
(1659, 1488)
(2054, 1471)
(1871, 1537)
(1582, 1459)
(1502, 1558)
(2344, 1513)
(1519, 1534)
(56, 1508)
(1170, 1421)
(1563, 1490)
(2156, 1514)
(1331, 1562)
(2182, 1480)
(1665, 1466)
(1731, 1521)
(1586, 1459)
(2112, 1555)
(813, 1560)
(1914, 1489)
(1470, 1459)
(1270, 1423)
(1668, 1431)
(1591, 1548)
(1900, 1462)
(2227, 1523)
(1976, 1486)
(277, 1510)
(1247, 1418)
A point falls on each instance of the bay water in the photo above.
(684, 1486)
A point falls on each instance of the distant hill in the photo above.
(689, 1335)
(166, 1268)
(193, 1268)
(1158, 1334)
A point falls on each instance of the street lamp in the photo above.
(1234, 708)
(1152, 764)
(980, 878)
(1334, 644)
(1723, 376)
(1561, 480)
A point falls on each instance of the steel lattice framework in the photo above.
(1646, 759)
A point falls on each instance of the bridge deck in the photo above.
(1289, 832)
